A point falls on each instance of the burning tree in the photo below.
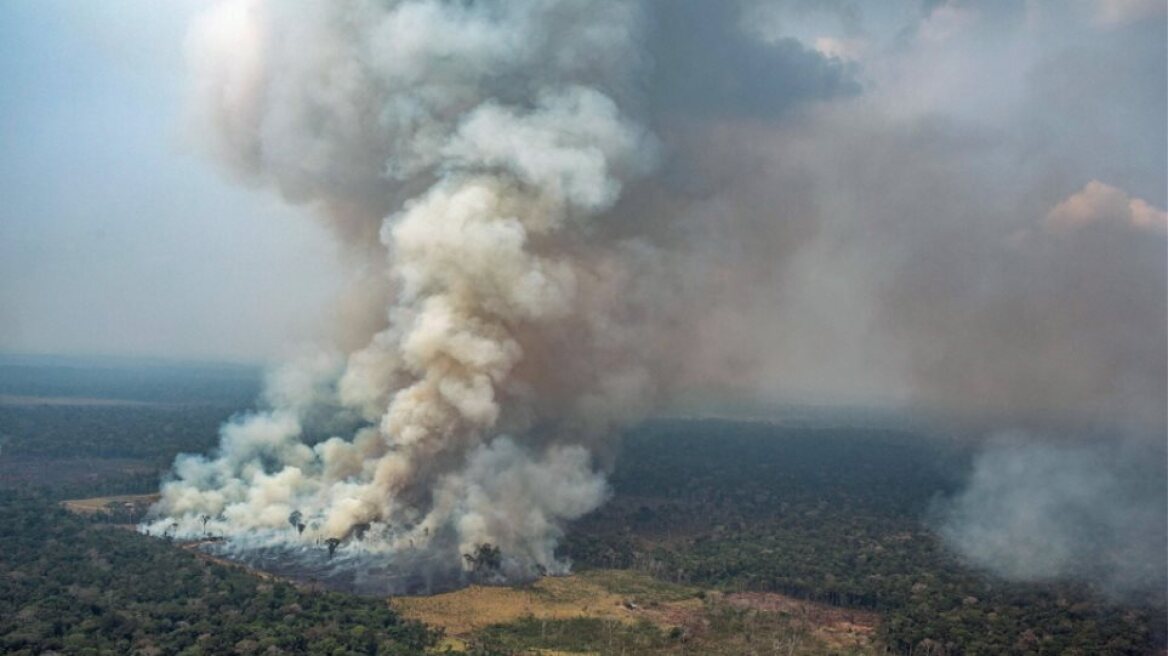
(332, 545)
(486, 558)
(295, 519)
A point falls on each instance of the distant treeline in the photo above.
(150, 433)
(158, 383)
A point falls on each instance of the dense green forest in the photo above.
(111, 426)
(150, 433)
(128, 379)
(839, 516)
(79, 588)
(89, 450)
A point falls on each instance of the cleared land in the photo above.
(698, 621)
(602, 594)
(104, 504)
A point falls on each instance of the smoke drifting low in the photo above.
(561, 214)
(1036, 511)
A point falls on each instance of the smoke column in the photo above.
(478, 144)
(495, 173)
(557, 214)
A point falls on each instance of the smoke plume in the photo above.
(467, 149)
(559, 214)
(1036, 510)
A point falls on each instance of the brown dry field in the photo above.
(627, 596)
(595, 594)
(97, 504)
(840, 628)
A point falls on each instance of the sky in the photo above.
(955, 202)
(115, 236)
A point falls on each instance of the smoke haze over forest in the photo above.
(481, 238)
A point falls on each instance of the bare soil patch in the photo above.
(102, 504)
(838, 627)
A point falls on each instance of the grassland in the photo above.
(602, 594)
(95, 505)
(620, 611)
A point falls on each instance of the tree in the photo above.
(486, 558)
(332, 545)
(294, 519)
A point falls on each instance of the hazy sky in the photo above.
(878, 194)
(115, 238)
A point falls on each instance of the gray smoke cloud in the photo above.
(981, 235)
(471, 157)
(560, 215)
(462, 151)
(1037, 511)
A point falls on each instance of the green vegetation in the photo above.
(152, 434)
(128, 379)
(832, 515)
(838, 516)
(78, 588)
(72, 430)
(89, 450)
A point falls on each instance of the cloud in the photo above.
(1120, 12)
(1099, 202)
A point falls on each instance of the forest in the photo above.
(73, 587)
(128, 379)
(838, 514)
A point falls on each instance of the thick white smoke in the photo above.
(464, 151)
